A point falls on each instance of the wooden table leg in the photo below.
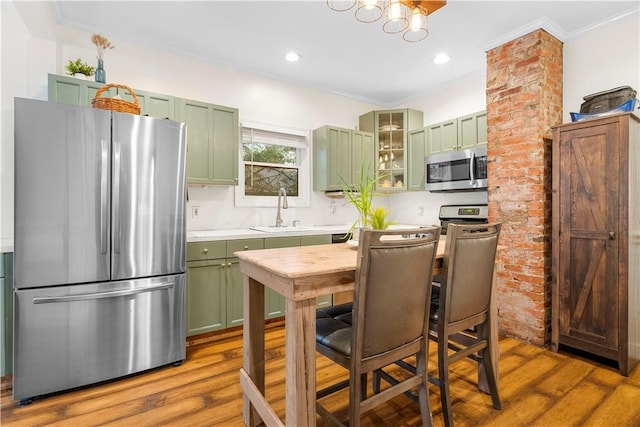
(253, 345)
(300, 332)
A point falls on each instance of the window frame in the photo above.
(304, 168)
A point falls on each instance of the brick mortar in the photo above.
(524, 99)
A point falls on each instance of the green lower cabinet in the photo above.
(235, 287)
(324, 239)
(6, 303)
(235, 279)
(206, 296)
(273, 301)
(215, 284)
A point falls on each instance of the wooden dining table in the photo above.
(300, 274)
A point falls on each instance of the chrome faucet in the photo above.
(281, 193)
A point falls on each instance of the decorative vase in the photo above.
(80, 76)
(101, 75)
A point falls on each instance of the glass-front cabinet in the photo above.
(391, 128)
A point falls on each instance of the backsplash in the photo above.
(216, 210)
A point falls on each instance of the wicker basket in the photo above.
(114, 104)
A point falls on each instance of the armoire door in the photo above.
(589, 217)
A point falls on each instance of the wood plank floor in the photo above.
(538, 388)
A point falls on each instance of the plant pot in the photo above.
(81, 76)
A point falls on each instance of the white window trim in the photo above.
(304, 171)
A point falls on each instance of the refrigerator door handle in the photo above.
(104, 196)
(116, 197)
(99, 295)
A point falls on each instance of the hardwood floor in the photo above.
(538, 388)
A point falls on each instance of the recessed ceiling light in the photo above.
(292, 56)
(441, 58)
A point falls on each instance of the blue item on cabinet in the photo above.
(630, 105)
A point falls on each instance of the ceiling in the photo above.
(339, 54)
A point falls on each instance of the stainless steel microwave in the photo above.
(457, 170)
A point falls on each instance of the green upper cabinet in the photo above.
(392, 155)
(362, 154)
(472, 130)
(442, 137)
(212, 142)
(338, 154)
(152, 104)
(417, 147)
(69, 90)
(457, 134)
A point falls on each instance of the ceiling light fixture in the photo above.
(292, 56)
(408, 17)
(441, 58)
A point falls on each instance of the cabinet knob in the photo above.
(246, 247)
(205, 250)
(612, 235)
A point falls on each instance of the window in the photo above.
(270, 159)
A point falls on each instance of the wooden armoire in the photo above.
(596, 238)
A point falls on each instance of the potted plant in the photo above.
(361, 197)
(79, 69)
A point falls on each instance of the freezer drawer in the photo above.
(72, 336)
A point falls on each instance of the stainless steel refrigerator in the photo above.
(99, 248)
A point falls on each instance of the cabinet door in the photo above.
(391, 149)
(69, 90)
(235, 279)
(273, 301)
(325, 239)
(206, 299)
(235, 283)
(442, 137)
(472, 130)
(417, 152)
(362, 155)
(212, 142)
(6, 305)
(589, 197)
(152, 104)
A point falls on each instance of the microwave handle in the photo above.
(472, 167)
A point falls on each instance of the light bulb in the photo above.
(395, 10)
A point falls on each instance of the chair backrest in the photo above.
(392, 289)
(468, 265)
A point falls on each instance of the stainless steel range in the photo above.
(462, 214)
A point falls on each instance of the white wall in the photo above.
(603, 58)
(32, 57)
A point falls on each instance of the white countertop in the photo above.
(6, 245)
(247, 233)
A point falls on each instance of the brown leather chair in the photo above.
(390, 318)
(460, 317)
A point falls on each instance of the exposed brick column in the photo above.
(524, 99)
